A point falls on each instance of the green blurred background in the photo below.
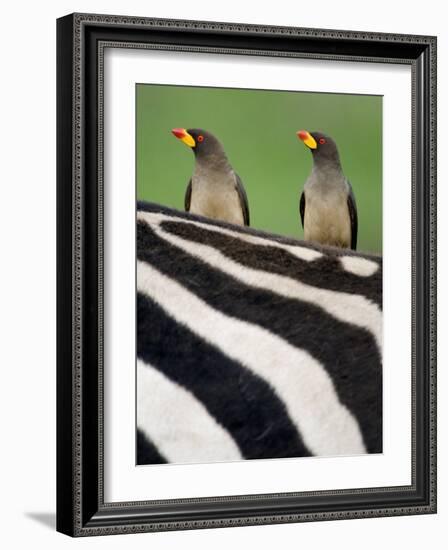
(258, 131)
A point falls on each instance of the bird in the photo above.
(215, 190)
(327, 204)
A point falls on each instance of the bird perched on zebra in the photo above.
(327, 204)
(215, 190)
(252, 345)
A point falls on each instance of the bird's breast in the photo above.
(327, 219)
(217, 198)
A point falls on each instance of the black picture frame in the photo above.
(81, 510)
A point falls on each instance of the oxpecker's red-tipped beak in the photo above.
(184, 136)
(307, 139)
(179, 132)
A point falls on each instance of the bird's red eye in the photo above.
(200, 138)
(322, 141)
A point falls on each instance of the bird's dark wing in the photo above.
(187, 200)
(302, 207)
(352, 210)
(243, 199)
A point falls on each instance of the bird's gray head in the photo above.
(322, 147)
(204, 144)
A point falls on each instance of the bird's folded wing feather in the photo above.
(243, 199)
(187, 200)
(302, 207)
(353, 216)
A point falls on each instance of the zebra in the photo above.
(252, 345)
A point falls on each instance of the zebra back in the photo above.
(252, 345)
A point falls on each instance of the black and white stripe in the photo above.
(251, 345)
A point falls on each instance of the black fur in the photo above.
(147, 452)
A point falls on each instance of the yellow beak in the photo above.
(307, 139)
(184, 136)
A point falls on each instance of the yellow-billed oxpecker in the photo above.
(327, 204)
(214, 190)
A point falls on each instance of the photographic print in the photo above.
(259, 274)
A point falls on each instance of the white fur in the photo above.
(177, 423)
(359, 266)
(326, 425)
(349, 308)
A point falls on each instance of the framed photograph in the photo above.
(246, 274)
